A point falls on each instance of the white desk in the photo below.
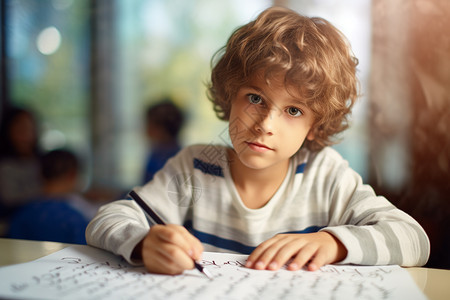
(435, 283)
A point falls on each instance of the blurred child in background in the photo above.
(164, 121)
(19, 159)
(59, 213)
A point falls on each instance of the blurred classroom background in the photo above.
(88, 70)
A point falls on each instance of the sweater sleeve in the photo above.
(372, 229)
(118, 227)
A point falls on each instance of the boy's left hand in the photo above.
(314, 249)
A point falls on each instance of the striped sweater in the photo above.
(319, 193)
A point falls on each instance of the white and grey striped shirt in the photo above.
(320, 192)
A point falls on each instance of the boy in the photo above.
(286, 84)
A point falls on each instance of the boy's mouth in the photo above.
(258, 147)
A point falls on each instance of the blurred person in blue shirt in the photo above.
(163, 122)
(59, 214)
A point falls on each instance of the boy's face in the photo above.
(267, 124)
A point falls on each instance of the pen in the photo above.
(159, 221)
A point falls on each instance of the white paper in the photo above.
(83, 272)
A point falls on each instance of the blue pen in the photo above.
(159, 221)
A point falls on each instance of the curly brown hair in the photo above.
(314, 57)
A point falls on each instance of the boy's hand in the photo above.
(313, 249)
(168, 249)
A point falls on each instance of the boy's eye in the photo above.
(294, 111)
(254, 99)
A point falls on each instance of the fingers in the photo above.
(318, 261)
(272, 254)
(178, 235)
(170, 249)
(169, 260)
(309, 255)
(330, 250)
(313, 250)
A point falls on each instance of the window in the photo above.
(88, 69)
(47, 53)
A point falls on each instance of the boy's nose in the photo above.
(266, 121)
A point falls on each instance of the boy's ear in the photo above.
(310, 135)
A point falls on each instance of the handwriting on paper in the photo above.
(95, 274)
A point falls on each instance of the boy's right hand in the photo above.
(169, 249)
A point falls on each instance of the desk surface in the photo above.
(435, 283)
